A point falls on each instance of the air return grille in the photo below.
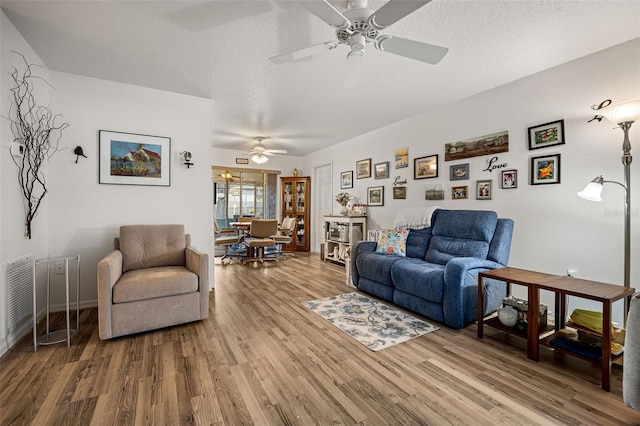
(18, 276)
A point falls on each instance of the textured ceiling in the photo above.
(219, 50)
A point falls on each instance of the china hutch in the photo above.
(296, 195)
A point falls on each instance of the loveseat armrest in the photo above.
(357, 248)
(460, 299)
(109, 272)
(198, 263)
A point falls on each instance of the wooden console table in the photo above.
(562, 286)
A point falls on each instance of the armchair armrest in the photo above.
(109, 272)
(461, 289)
(198, 263)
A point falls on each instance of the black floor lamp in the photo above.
(624, 115)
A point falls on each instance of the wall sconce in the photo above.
(79, 153)
(186, 158)
(259, 158)
(624, 115)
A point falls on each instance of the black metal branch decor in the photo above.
(37, 133)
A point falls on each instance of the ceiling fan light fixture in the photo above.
(259, 158)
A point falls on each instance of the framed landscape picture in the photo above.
(509, 179)
(402, 157)
(434, 192)
(491, 144)
(547, 134)
(483, 189)
(375, 196)
(346, 179)
(425, 167)
(545, 169)
(381, 170)
(459, 172)
(363, 168)
(399, 192)
(132, 159)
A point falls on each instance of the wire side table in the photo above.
(52, 337)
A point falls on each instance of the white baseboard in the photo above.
(26, 326)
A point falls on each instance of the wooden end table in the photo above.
(562, 286)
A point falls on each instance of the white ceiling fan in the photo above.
(357, 26)
(261, 153)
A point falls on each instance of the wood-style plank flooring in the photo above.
(262, 358)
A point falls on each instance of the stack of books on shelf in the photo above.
(585, 335)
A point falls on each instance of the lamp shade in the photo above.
(622, 113)
(259, 158)
(593, 190)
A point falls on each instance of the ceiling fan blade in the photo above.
(276, 151)
(417, 50)
(300, 54)
(393, 11)
(329, 14)
(355, 69)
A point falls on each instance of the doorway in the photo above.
(323, 200)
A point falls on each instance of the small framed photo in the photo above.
(346, 179)
(399, 192)
(547, 134)
(483, 189)
(459, 192)
(132, 159)
(363, 168)
(375, 196)
(242, 160)
(545, 169)
(509, 179)
(381, 170)
(434, 192)
(425, 167)
(459, 172)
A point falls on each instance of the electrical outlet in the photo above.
(58, 268)
(571, 272)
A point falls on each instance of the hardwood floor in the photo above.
(262, 358)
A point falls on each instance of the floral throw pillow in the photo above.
(391, 241)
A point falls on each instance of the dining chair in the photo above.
(225, 238)
(285, 234)
(261, 235)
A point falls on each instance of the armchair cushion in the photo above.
(151, 283)
(149, 246)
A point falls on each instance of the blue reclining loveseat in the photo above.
(438, 277)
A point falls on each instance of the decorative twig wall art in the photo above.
(36, 129)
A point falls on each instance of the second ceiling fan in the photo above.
(260, 152)
(357, 26)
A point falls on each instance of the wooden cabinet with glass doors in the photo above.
(295, 196)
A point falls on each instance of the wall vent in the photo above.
(19, 279)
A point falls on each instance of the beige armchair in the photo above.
(152, 279)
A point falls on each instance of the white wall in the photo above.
(79, 215)
(13, 243)
(554, 229)
(84, 216)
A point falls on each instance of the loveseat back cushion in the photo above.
(417, 242)
(460, 233)
(150, 246)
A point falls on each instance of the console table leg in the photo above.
(533, 320)
(606, 346)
